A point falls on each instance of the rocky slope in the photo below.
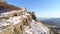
(20, 21)
(21, 24)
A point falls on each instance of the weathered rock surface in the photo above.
(19, 21)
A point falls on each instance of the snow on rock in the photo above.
(3, 25)
(15, 20)
(35, 28)
(6, 13)
(27, 30)
(11, 12)
(23, 16)
(27, 14)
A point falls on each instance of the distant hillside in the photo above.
(42, 18)
(52, 21)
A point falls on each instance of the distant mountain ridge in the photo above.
(52, 21)
(42, 18)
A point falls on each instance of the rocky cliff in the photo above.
(19, 21)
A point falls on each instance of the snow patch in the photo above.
(36, 28)
(27, 14)
(3, 24)
(23, 16)
(15, 20)
(9, 12)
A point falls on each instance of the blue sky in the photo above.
(42, 8)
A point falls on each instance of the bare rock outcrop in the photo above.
(19, 21)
